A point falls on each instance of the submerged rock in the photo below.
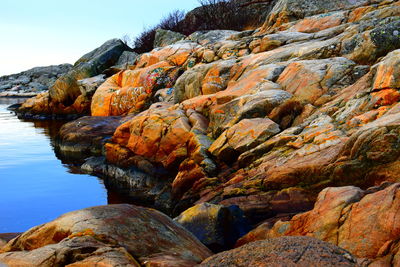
(87, 135)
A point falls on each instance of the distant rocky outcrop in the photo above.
(65, 96)
(31, 82)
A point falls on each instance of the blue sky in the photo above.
(45, 32)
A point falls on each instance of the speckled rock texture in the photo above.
(282, 252)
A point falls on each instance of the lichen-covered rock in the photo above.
(167, 137)
(176, 54)
(113, 235)
(363, 222)
(216, 226)
(204, 80)
(210, 37)
(241, 137)
(82, 251)
(310, 79)
(132, 91)
(288, 10)
(285, 251)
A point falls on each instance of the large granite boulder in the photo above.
(111, 235)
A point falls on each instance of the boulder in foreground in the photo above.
(111, 235)
(284, 252)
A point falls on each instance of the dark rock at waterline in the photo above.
(216, 226)
(114, 235)
(284, 252)
(43, 117)
(14, 107)
(152, 190)
(86, 135)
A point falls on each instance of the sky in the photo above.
(50, 32)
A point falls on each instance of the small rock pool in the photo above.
(36, 186)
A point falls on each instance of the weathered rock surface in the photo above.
(126, 59)
(167, 137)
(285, 251)
(89, 86)
(116, 235)
(132, 91)
(362, 222)
(166, 37)
(31, 82)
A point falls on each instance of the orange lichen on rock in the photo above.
(386, 97)
(362, 222)
(131, 91)
(319, 22)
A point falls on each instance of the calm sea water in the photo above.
(35, 186)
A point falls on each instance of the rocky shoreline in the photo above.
(246, 138)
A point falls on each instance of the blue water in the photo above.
(35, 186)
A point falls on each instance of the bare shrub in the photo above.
(144, 42)
(211, 15)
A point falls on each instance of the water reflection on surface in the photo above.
(36, 186)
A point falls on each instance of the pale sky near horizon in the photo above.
(50, 32)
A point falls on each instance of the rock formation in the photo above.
(362, 222)
(265, 119)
